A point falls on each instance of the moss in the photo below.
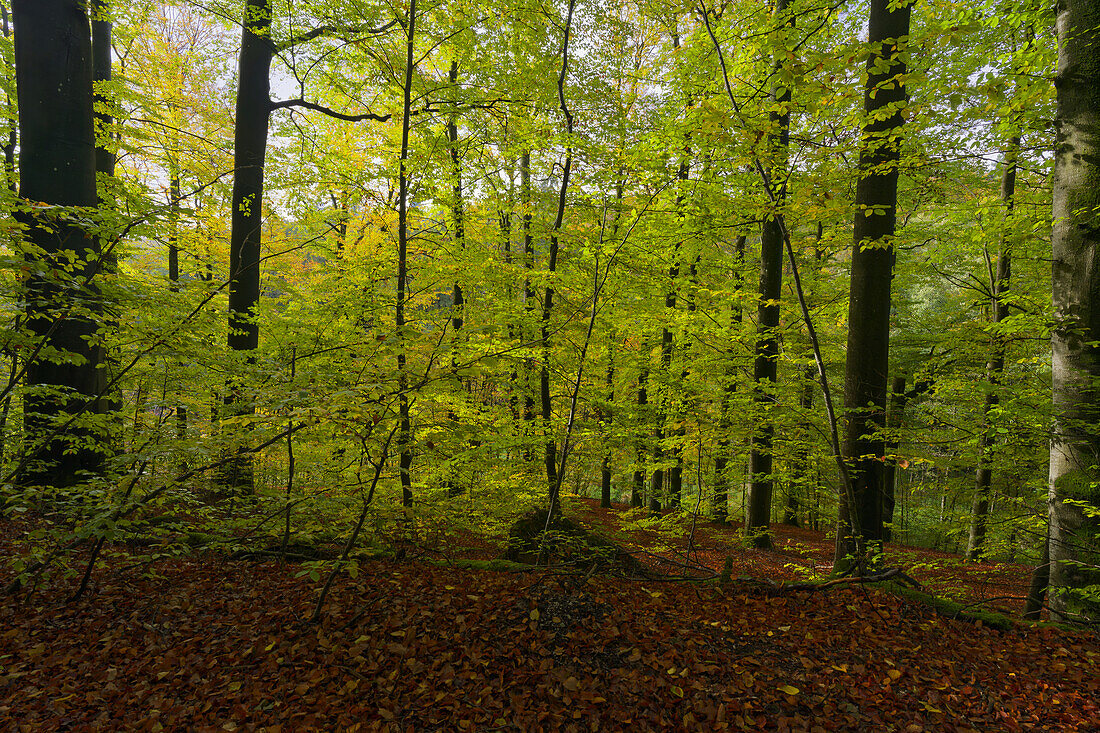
(953, 610)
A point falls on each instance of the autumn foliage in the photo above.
(208, 643)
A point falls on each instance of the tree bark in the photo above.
(253, 112)
(762, 483)
(458, 212)
(637, 491)
(553, 476)
(57, 164)
(725, 420)
(1075, 444)
(859, 533)
(11, 136)
(996, 365)
(404, 434)
(898, 399)
(608, 417)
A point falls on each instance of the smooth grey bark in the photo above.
(762, 483)
(1075, 443)
(994, 370)
(859, 532)
(61, 302)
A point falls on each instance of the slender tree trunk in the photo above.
(802, 464)
(11, 138)
(762, 486)
(553, 478)
(455, 488)
(637, 491)
(253, 111)
(860, 525)
(53, 69)
(1075, 338)
(528, 296)
(608, 417)
(404, 435)
(894, 415)
(174, 265)
(725, 420)
(994, 370)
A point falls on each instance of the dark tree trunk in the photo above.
(528, 295)
(553, 476)
(725, 421)
(11, 136)
(894, 415)
(53, 68)
(762, 483)
(253, 112)
(637, 491)
(455, 488)
(102, 28)
(608, 417)
(1075, 338)
(859, 533)
(802, 464)
(995, 368)
(404, 435)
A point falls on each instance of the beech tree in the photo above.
(866, 367)
(1075, 340)
(62, 302)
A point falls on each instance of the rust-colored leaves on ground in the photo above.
(407, 646)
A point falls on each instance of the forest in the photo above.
(524, 365)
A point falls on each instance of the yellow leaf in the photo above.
(894, 674)
(789, 689)
(680, 693)
(534, 614)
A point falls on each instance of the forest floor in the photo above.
(209, 643)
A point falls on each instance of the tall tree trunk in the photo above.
(253, 111)
(57, 164)
(637, 490)
(608, 417)
(761, 487)
(11, 137)
(898, 399)
(725, 420)
(528, 296)
(404, 435)
(174, 264)
(802, 464)
(553, 476)
(998, 288)
(859, 533)
(455, 488)
(1075, 338)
